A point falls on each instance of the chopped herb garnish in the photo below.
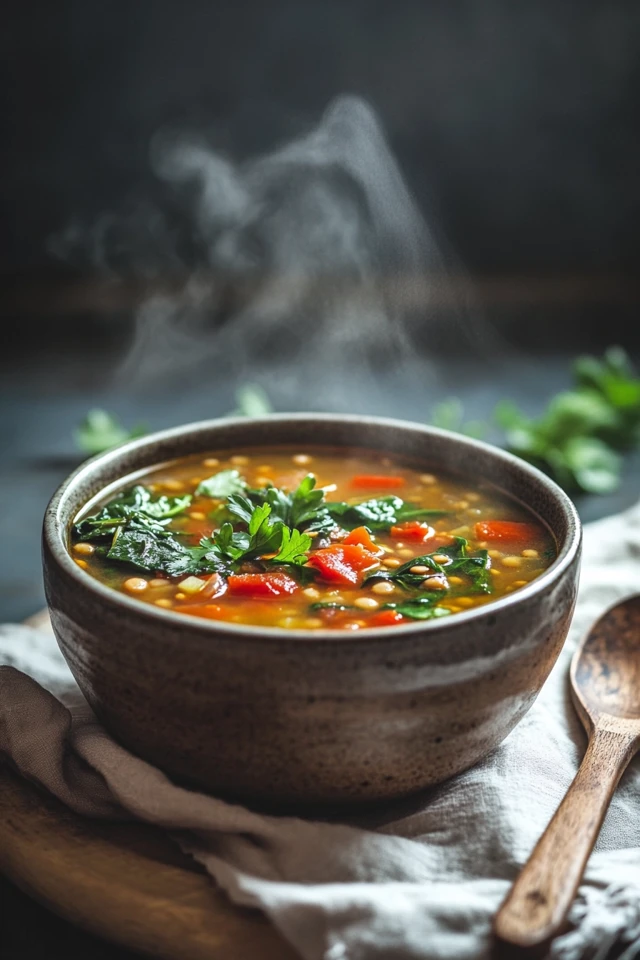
(305, 506)
(221, 485)
(293, 548)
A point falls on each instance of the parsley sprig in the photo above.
(580, 436)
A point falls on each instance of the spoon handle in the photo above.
(540, 898)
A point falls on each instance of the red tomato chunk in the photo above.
(386, 618)
(343, 563)
(366, 481)
(262, 585)
(362, 536)
(508, 531)
(412, 530)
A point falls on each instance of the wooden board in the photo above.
(125, 882)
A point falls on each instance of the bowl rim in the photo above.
(54, 538)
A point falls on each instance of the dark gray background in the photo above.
(516, 123)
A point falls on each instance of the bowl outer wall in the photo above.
(298, 716)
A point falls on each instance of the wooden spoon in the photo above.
(605, 683)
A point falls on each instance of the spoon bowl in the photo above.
(605, 671)
(605, 685)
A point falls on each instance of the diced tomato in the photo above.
(386, 618)
(362, 536)
(261, 585)
(508, 531)
(377, 481)
(412, 530)
(342, 563)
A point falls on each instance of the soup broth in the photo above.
(310, 540)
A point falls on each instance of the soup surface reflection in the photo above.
(310, 540)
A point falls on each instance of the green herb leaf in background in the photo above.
(577, 439)
(449, 415)
(251, 401)
(100, 431)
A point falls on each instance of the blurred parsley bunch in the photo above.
(579, 437)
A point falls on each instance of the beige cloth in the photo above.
(421, 879)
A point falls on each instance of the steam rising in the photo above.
(314, 267)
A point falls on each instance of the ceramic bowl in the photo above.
(286, 717)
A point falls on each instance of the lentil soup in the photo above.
(310, 540)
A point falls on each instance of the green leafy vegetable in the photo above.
(100, 431)
(265, 534)
(221, 485)
(449, 415)
(475, 569)
(579, 436)
(567, 440)
(419, 608)
(306, 505)
(131, 528)
(251, 401)
(402, 575)
(146, 550)
(135, 508)
(380, 514)
(293, 547)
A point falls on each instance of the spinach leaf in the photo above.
(455, 550)
(476, 569)
(418, 608)
(144, 549)
(380, 514)
(473, 568)
(221, 485)
(402, 575)
(148, 551)
(135, 508)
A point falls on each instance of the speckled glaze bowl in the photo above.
(286, 717)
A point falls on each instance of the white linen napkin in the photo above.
(419, 879)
